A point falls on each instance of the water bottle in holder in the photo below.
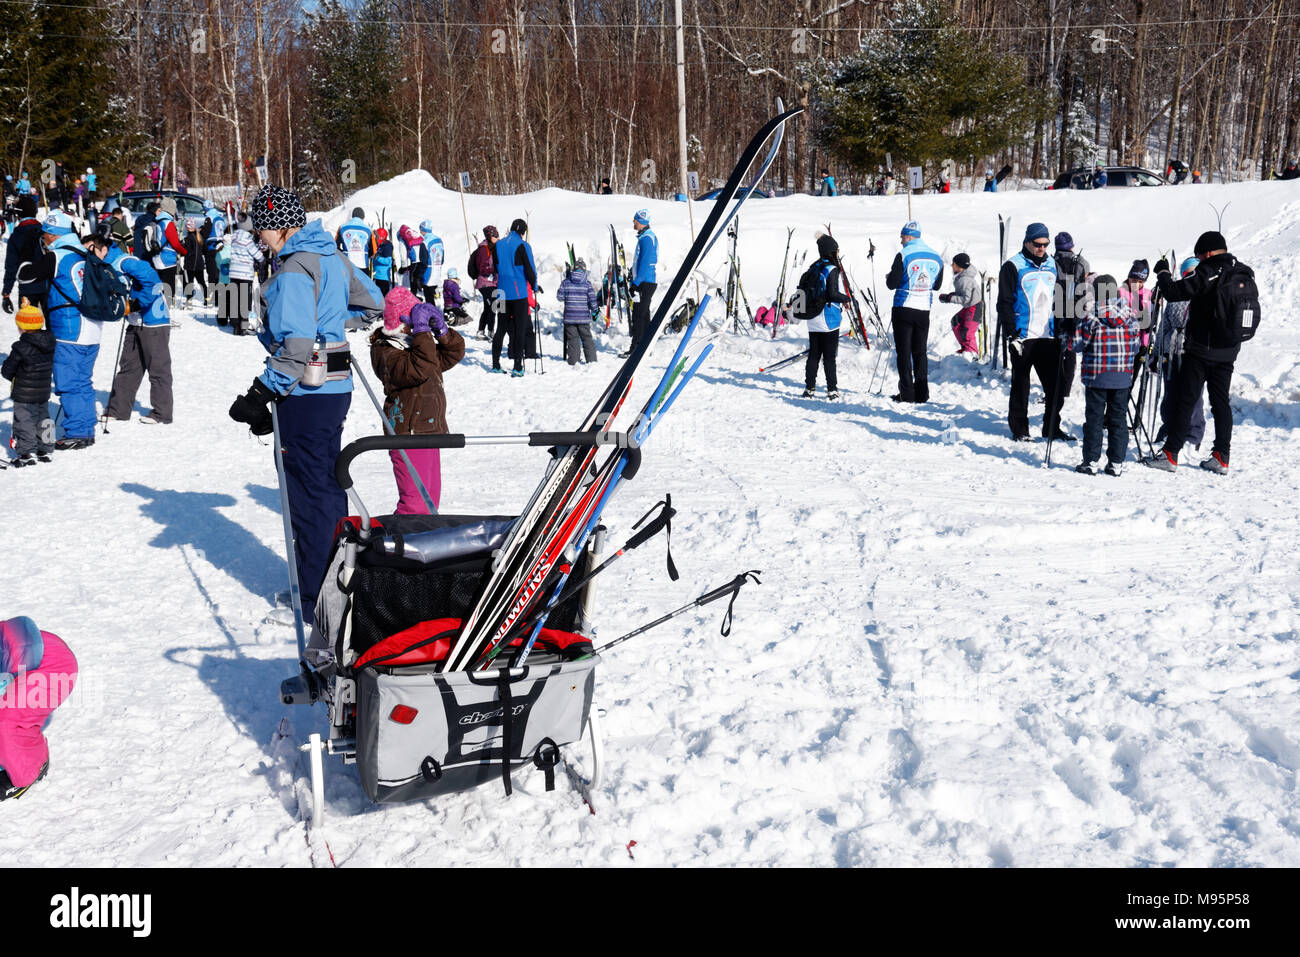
(316, 366)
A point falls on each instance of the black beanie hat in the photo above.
(1139, 270)
(1208, 241)
(827, 247)
(26, 207)
(275, 207)
(962, 260)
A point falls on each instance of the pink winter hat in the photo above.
(397, 306)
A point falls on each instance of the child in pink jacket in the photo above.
(37, 672)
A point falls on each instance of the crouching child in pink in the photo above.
(966, 294)
(37, 672)
(409, 355)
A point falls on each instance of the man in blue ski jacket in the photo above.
(516, 271)
(990, 182)
(644, 260)
(146, 342)
(213, 234)
(1099, 178)
(828, 183)
(1026, 311)
(917, 271)
(353, 240)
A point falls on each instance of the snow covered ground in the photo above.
(956, 657)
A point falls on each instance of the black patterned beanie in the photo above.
(275, 207)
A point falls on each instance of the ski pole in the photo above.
(573, 589)
(388, 428)
(290, 546)
(1052, 413)
(121, 338)
(732, 588)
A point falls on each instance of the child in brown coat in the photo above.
(409, 355)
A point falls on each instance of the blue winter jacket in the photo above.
(148, 304)
(515, 269)
(437, 256)
(354, 242)
(645, 258)
(167, 257)
(307, 302)
(383, 261)
(1027, 296)
(917, 272)
(90, 181)
(990, 186)
(61, 306)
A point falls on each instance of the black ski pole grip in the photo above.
(655, 526)
(732, 587)
(633, 463)
(371, 443)
(574, 438)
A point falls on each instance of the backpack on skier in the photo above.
(103, 294)
(810, 299)
(1238, 308)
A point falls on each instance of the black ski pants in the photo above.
(1195, 373)
(487, 319)
(1107, 413)
(911, 336)
(822, 347)
(642, 293)
(515, 323)
(1042, 356)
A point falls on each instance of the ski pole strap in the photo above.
(664, 520)
(732, 588)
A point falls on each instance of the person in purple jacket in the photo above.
(579, 298)
(453, 300)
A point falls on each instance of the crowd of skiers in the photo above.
(1054, 314)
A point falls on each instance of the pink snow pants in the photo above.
(25, 705)
(428, 465)
(966, 329)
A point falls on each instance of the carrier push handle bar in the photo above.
(457, 440)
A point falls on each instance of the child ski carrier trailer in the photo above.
(395, 594)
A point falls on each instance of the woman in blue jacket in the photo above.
(304, 307)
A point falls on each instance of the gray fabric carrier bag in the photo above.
(421, 733)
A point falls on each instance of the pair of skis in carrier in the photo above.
(450, 650)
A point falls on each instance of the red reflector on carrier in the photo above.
(402, 714)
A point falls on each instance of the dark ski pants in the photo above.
(578, 335)
(144, 349)
(911, 335)
(1196, 424)
(33, 428)
(1042, 356)
(1195, 373)
(822, 348)
(642, 293)
(1106, 411)
(514, 323)
(311, 432)
(168, 277)
(487, 319)
(384, 286)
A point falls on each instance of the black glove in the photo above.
(538, 291)
(254, 408)
(7, 305)
(1162, 266)
(945, 297)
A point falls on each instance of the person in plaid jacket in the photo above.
(1108, 341)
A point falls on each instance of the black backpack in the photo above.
(1238, 313)
(810, 299)
(103, 294)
